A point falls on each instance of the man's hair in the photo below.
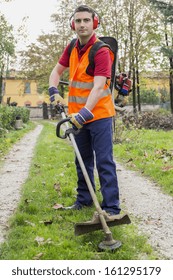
(85, 8)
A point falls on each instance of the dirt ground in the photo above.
(143, 200)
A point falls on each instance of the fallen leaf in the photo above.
(27, 201)
(48, 222)
(153, 222)
(48, 241)
(17, 150)
(37, 165)
(145, 154)
(129, 160)
(58, 206)
(57, 187)
(39, 240)
(167, 168)
(38, 256)
(30, 223)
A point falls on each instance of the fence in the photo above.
(47, 111)
(43, 112)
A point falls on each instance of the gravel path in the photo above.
(152, 209)
(13, 174)
(144, 201)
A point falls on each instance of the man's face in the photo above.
(83, 24)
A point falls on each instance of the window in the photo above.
(27, 88)
(28, 105)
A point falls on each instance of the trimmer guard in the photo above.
(95, 224)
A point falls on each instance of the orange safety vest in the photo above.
(80, 85)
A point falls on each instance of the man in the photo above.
(91, 109)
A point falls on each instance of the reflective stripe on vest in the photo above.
(81, 85)
(83, 100)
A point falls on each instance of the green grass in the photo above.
(149, 151)
(38, 231)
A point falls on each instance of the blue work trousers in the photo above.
(96, 138)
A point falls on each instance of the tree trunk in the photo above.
(171, 83)
(170, 72)
(1, 88)
(138, 90)
(1, 81)
(134, 91)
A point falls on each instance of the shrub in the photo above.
(9, 114)
(149, 120)
(149, 96)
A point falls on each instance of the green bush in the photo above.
(22, 112)
(9, 114)
(147, 96)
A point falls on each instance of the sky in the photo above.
(38, 13)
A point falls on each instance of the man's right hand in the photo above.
(84, 115)
(55, 96)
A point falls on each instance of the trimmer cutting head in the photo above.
(111, 246)
(95, 224)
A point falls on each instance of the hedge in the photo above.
(9, 114)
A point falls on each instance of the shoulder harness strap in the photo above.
(97, 45)
(71, 46)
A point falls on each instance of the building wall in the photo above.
(23, 92)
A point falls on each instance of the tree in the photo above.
(39, 59)
(6, 47)
(140, 38)
(135, 26)
(166, 9)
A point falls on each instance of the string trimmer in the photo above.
(100, 219)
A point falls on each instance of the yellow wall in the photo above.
(15, 88)
(155, 83)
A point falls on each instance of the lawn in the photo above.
(38, 230)
(149, 151)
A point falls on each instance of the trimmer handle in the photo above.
(68, 131)
(58, 128)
